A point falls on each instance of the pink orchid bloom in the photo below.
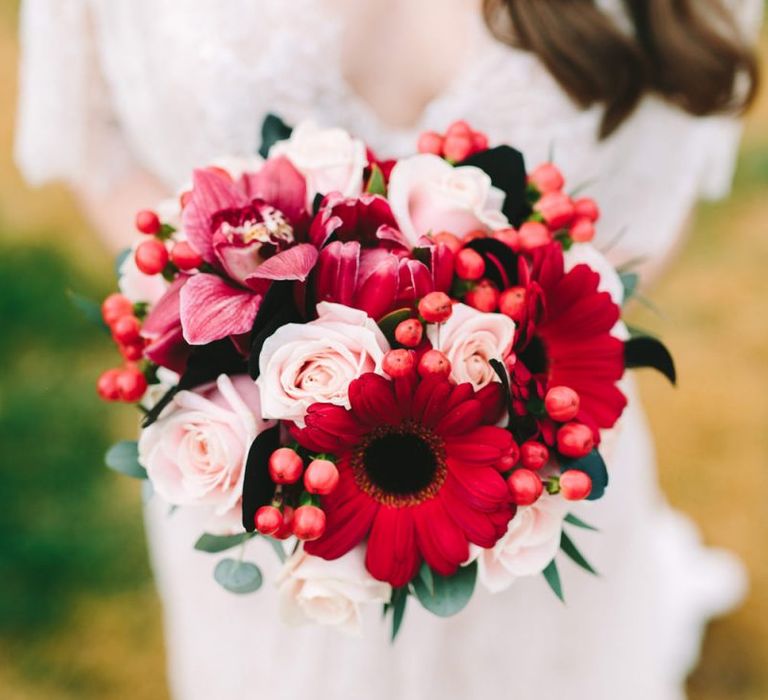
(162, 330)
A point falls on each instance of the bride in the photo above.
(123, 99)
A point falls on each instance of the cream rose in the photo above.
(329, 592)
(470, 338)
(306, 363)
(428, 194)
(530, 543)
(330, 159)
(195, 453)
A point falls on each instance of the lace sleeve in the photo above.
(66, 128)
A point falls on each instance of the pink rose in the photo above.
(428, 194)
(195, 453)
(306, 363)
(470, 339)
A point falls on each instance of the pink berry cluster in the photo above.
(457, 143)
(292, 479)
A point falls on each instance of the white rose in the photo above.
(470, 338)
(428, 194)
(329, 592)
(330, 159)
(195, 453)
(306, 363)
(530, 543)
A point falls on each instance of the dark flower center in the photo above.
(400, 465)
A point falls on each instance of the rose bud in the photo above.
(308, 522)
(533, 454)
(582, 230)
(586, 207)
(131, 384)
(321, 477)
(509, 237)
(436, 307)
(434, 362)
(509, 460)
(151, 256)
(524, 486)
(185, 257)
(285, 466)
(484, 297)
(547, 178)
(126, 330)
(106, 385)
(575, 485)
(457, 147)
(398, 363)
(561, 403)
(575, 440)
(448, 239)
(512, 303)
(268, 520)
(469, 264)
(533, 234)
(409, 332)
(115, 306)
(147, 222)
(430, 142)
(286, 528)
(556, 208)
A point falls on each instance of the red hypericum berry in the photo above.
(430, 142)
(409, 332)
(133, 352)
(582, 230)
(547, 178)
(524, 486)
(126, 330)
(469, 264)
(115, 306)
(472, 235)
(435, 307)
(561, 403)
(512, 302)
(509, 237)
(533, 234)
(185, 257)
(321, 477)
(286, 528)
(510, 459)
(268, 520)
(575, 440)
(575, 485)
(586, 207)
(556, 208)
(151, 256)
(106, 385)
(147, 222)
(479, 141)
(434, 363)
(533, 454)
(459, 128)
(398, 363)
(285, 466)
(484, 297)
(457, 147)
(131, 383)
(448, 239)
(308, 523)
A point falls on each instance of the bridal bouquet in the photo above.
(396, 371)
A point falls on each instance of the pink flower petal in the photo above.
(211, 309)
(337, 271)
(293, 264)
(279, 184)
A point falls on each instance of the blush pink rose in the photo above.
(470, 339)
(195, 453)
(428, 194)
(306, 363)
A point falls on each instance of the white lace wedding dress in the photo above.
(169, 85)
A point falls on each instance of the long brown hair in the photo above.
(688, 51)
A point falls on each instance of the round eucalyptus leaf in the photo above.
(123, 457)
(238, 576)
(448, 594)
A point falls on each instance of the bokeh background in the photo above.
(79, 618)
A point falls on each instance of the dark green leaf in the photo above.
(425, 574)
(376, 183)
(220, 543)
(570, 549)
(258, 487)
(398, 602)
(123, 457)
(273, 129)
(594, 466)
(238, 576)
(629, 281)
(649, 352)
(277, 545)
(450, 594)
(578, 522)
(552, 577)
(389, 322)
(90, 309)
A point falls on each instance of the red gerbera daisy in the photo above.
(417, 473)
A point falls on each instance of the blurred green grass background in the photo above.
(78, 615)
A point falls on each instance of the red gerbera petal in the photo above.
(392, 554)
(441, 541)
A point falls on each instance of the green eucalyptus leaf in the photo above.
(122, 256)
(238, 576)
(594, 466)
(573, 553)
(629, 281)
(90, 309)
(273, 129)
(123, 457)
(450, 594)
(552, 577)
(398, 602)
(376, 183)
(578, 522)
(425, 574)
(277, 545)
(388, 323)
(220, 543)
